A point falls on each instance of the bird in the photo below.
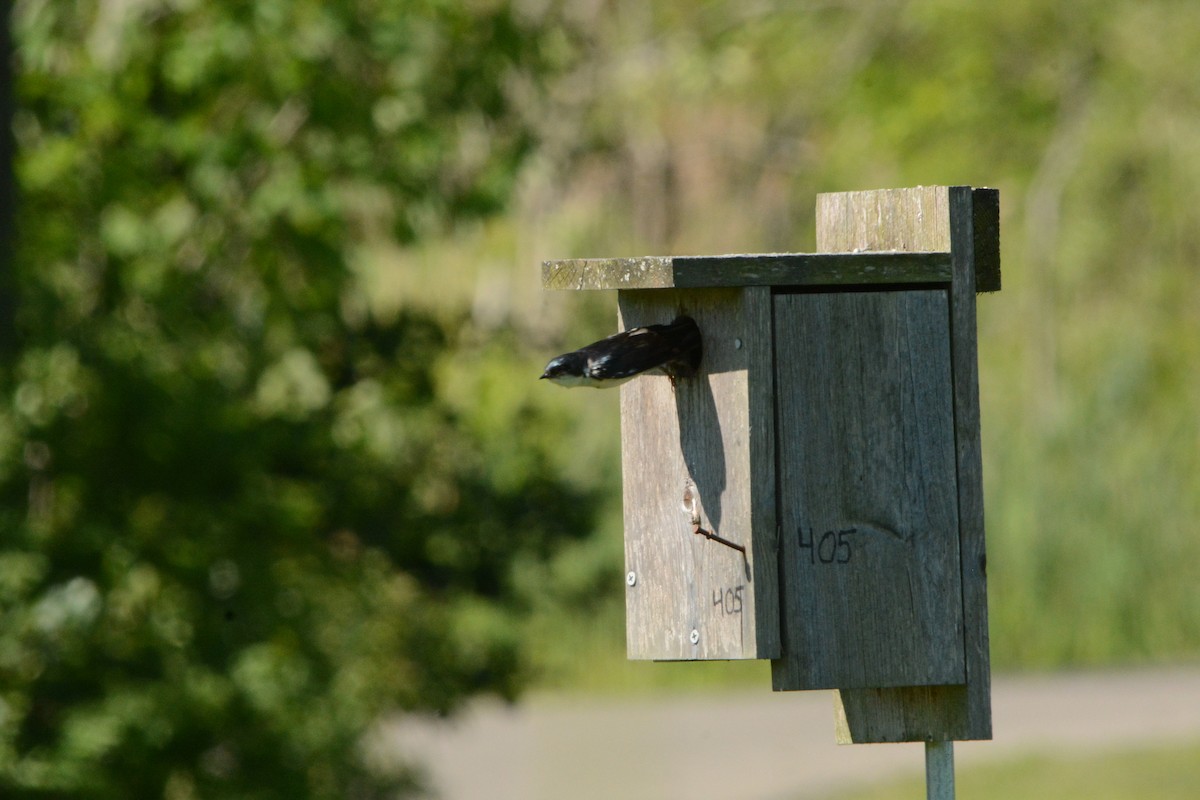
(674, 348)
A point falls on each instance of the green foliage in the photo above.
(244, 514)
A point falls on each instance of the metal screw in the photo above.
(695, 637)
(630, 578)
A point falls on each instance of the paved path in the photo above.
(761, 745)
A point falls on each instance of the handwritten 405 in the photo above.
(831, 547)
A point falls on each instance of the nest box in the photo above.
(814, 495)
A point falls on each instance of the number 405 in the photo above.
(831, 547)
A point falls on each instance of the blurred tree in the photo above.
(241, 518)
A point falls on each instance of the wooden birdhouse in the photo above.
(814, 495)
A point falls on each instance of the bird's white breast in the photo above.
(571, 381)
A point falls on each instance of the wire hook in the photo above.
(691, 508)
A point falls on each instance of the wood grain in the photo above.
(868, 505)
(768, 269)
(713, 432)
(922, 219)
(904, 266)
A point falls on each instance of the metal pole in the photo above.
(939, 770)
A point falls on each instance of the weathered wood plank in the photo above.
(923, 219)
(710, 432)
(769, 269)
(868, 505)
(760, 420)
(902, 714)
(965, 245)
(646, 272)
(909, 220)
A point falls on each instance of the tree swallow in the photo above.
(674, 348)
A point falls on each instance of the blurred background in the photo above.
(274, 462)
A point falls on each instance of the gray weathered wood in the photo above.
(923, 219)
(964, 245)
(867, 496)
(907, 262)
(909, 220)
(714, 431)
(768, 269)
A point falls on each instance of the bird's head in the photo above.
(566, 370)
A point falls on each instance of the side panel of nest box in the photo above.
(702, 448)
